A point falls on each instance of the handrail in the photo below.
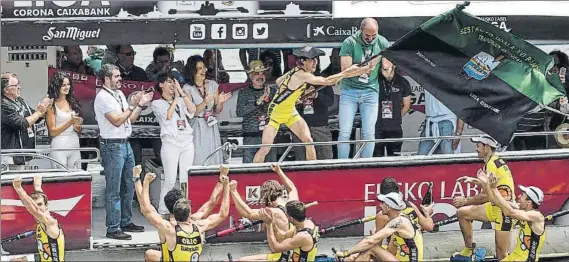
(38, 153)
(231, 146)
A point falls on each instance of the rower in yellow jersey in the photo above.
(185, 238)
(282, 109)
(405, 234)
(272, 195)
(480, 208)
(49, 234)
(531, 236)
(304, 243)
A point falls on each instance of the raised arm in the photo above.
(242, 207)
(143, 195)
(370, 241)
(29, 203)
(208, 206)
(214, 220)
(291, 188)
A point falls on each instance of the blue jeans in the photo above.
(249, 153)
(118, 162)
(446, 128)
(368, 103)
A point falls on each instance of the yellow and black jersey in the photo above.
(50, 249)
(300, 255)
(189, 246)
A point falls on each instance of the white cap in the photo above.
(393, 200)
(485, 139)
(534, 193)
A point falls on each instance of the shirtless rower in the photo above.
(531, 236)
(405, 234)
(423, 219)
(184, 239)
(176, 194)
(49, 234)
(303, 243)
(480, 208)
(272, 197)
(282, 109)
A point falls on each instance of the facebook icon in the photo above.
(218, 31)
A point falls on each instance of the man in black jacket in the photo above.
(18, 120)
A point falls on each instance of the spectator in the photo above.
(250, 54)
(533, 121)
(332, 69)
(439, 121)
(126, 65)
(252, 106)
(394, 102)
(115, 116)
(174, 111)
(315, 111)
(274, 69)
(63, 119)
(95, 58)
(74, 61)
(360, 92)
(215, 69)
(561, 61)
(209, 102)
(18, 119)
(110, 56)
(162, 63)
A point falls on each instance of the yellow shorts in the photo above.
(277, 119)
(494, 214)
(280, 257)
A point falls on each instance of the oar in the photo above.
(240, 227)
(19, 236)
(347, 224)
(454, 219)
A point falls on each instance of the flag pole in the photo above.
(556, 111)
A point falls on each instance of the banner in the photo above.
(85, 88)
(51, 9)
(488, 77)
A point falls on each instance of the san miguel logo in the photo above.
(34, 9)
(71, 33)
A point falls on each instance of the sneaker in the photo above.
(119, 235)
(132, 228)
(464, 255)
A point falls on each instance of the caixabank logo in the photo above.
(47, 9)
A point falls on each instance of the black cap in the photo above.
(308, 52)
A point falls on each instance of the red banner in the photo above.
(346, 194)
(71, 207)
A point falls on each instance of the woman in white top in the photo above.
(209, 102)
(63, 120)
(173, 112)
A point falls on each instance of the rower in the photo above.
(170, 200)
(532, 223)
(480, 208)
(49, 234)
(304, 243)
(272, 197)
(405, 233)
(184, 240)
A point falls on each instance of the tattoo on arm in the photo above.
(395, 223)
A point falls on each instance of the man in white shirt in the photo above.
(115, 116)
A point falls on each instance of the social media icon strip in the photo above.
(260, 31)
(240, 31)
(197, 31)
(218, 31)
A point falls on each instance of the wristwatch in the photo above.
(135, 179)
(131, 108)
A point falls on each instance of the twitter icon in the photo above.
(260, 31)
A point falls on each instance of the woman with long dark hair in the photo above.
(209, 102)
(174, 110)
(63, 119)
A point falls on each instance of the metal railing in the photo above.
(230, 147)
(40, 153)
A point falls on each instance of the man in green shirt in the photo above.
(361, 91)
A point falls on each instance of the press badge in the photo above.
(209, 118)
(386, 109)
(262, 123)
(364, 78)
(181, 125)
(30, 132)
